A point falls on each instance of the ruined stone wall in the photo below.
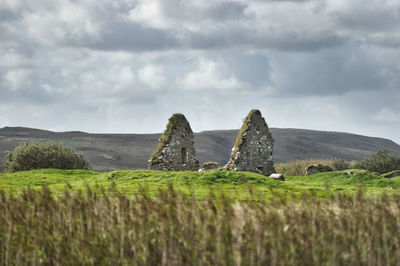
(253, 147)
(175, 150)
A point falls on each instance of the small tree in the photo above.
(35, 155)
(381, 162)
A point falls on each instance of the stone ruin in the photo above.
(175, 150)
(253, 147)
(252, 151)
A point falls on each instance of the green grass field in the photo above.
(234, 184)
(78, 217)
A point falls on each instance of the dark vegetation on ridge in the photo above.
(132, 151)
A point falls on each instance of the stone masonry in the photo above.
(253, 147)
(175, 150)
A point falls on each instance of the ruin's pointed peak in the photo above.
(252, 113)
(253, 146)
(177, 118)
(175, 121)
(175, 148)
(249, 118)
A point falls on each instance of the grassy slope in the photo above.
(235, 184)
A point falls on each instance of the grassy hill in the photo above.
(131, 151)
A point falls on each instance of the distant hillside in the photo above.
(131, 151)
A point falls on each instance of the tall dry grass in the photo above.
(297, 167)
(175, 229)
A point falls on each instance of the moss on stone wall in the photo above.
(165, 137)
(210, 165)
(245, 127)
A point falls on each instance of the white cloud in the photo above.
(66, 23)
(18, 78)
(126, 76)
(11, 59)
(153, 76)
(148, 12)
(210, 75)
(105, 84)
(9, 4)
(386, 114)
(186, 15)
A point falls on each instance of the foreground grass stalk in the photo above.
(172, 228)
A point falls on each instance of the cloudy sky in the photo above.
(127, 65)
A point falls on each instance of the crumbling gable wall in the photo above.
(252, 151)
(175, 150)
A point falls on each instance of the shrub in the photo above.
(381, 162)
(31, 156)
(340, 164)
(317, 168)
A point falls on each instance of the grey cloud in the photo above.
(277, 1)
(277, 38)
(231, 26)
(16, 47)
(131, 37)
(228, 10)
(368, 15)
(114, 33)
(31, 88)
(369, 22)
(208, 10)
(314, 72)
(328, 72)
(28, 95)
(386, 40)
(250, 68)
(253, 68)
(8, 15)
(130, 99)
(301, 40)
(51, 88)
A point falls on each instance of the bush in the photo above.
(317, 168)
(31, 156)
(381, 162)
(340, 164)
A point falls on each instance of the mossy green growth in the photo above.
(239, 185)
(348, 181)
(165, 137)
(210, 165)
(199, 184)
(245, 127)
(394, 173)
